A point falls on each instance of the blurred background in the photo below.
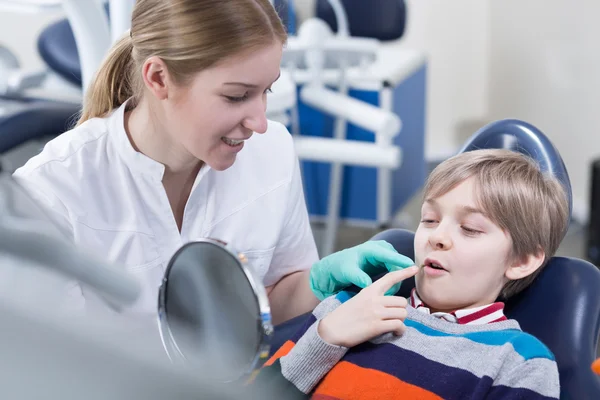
(444, 68)
(486, 60)
(533, 60)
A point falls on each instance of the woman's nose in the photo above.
(256, 120)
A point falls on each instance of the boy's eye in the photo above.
(428, 221)
(470, 231)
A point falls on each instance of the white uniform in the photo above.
(112, 201)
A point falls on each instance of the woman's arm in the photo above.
(291, 296)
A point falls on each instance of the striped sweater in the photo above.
(433, 359)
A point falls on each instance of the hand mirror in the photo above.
(214, 311)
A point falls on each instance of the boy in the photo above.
(490, 221)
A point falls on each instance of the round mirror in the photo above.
(213, 311)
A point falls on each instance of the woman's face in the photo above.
(223, 106)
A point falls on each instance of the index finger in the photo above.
(384, 283)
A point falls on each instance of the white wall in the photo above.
(545, 69)
(455, 36)
(19, 33)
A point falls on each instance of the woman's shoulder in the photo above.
(65, 150)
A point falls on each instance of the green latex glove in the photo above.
(356, 266)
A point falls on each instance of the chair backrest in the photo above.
(378, 19)
(525, 138)
(57, 47)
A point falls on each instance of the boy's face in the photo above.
(471, 250)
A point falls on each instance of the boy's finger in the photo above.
(384, 283)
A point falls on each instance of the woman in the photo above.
(156, 158)
(173, 145)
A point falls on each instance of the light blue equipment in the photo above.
(38, 105)
(360, 162)
(360, 114)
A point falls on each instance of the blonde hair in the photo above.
(188, 35)
(528, 204)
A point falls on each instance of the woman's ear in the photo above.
(156, 77)
(525, 266)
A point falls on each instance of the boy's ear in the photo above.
(525, 266)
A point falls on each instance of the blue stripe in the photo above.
(344, 296)
(526, 345)
(300, 332)
(507, 393)
(410, 367)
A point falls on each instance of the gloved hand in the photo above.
(356, 266)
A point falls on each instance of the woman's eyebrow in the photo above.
(248, 85)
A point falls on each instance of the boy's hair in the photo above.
(528, 204)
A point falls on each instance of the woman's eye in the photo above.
(427, 221)
(235, 99)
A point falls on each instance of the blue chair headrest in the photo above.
(37, 119)
(524, 138)
(378, 19)
(57, 47)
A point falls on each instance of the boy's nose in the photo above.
(440, 240)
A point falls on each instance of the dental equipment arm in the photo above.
(359, 113)
(92, 35)
(24, 240)
(341, 17)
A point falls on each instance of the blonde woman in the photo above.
(173, 145)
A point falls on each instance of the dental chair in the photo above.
(562, 306)
(385, 21)
(26, 118)
(35, 118)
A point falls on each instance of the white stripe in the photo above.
(469, 311)
(487, 318)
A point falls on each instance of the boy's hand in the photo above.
(368, 314)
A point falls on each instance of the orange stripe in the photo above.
(596, 366)
(283, 351)
(351, 382)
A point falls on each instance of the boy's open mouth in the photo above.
(434, 264)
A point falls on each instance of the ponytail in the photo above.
(113, 83)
